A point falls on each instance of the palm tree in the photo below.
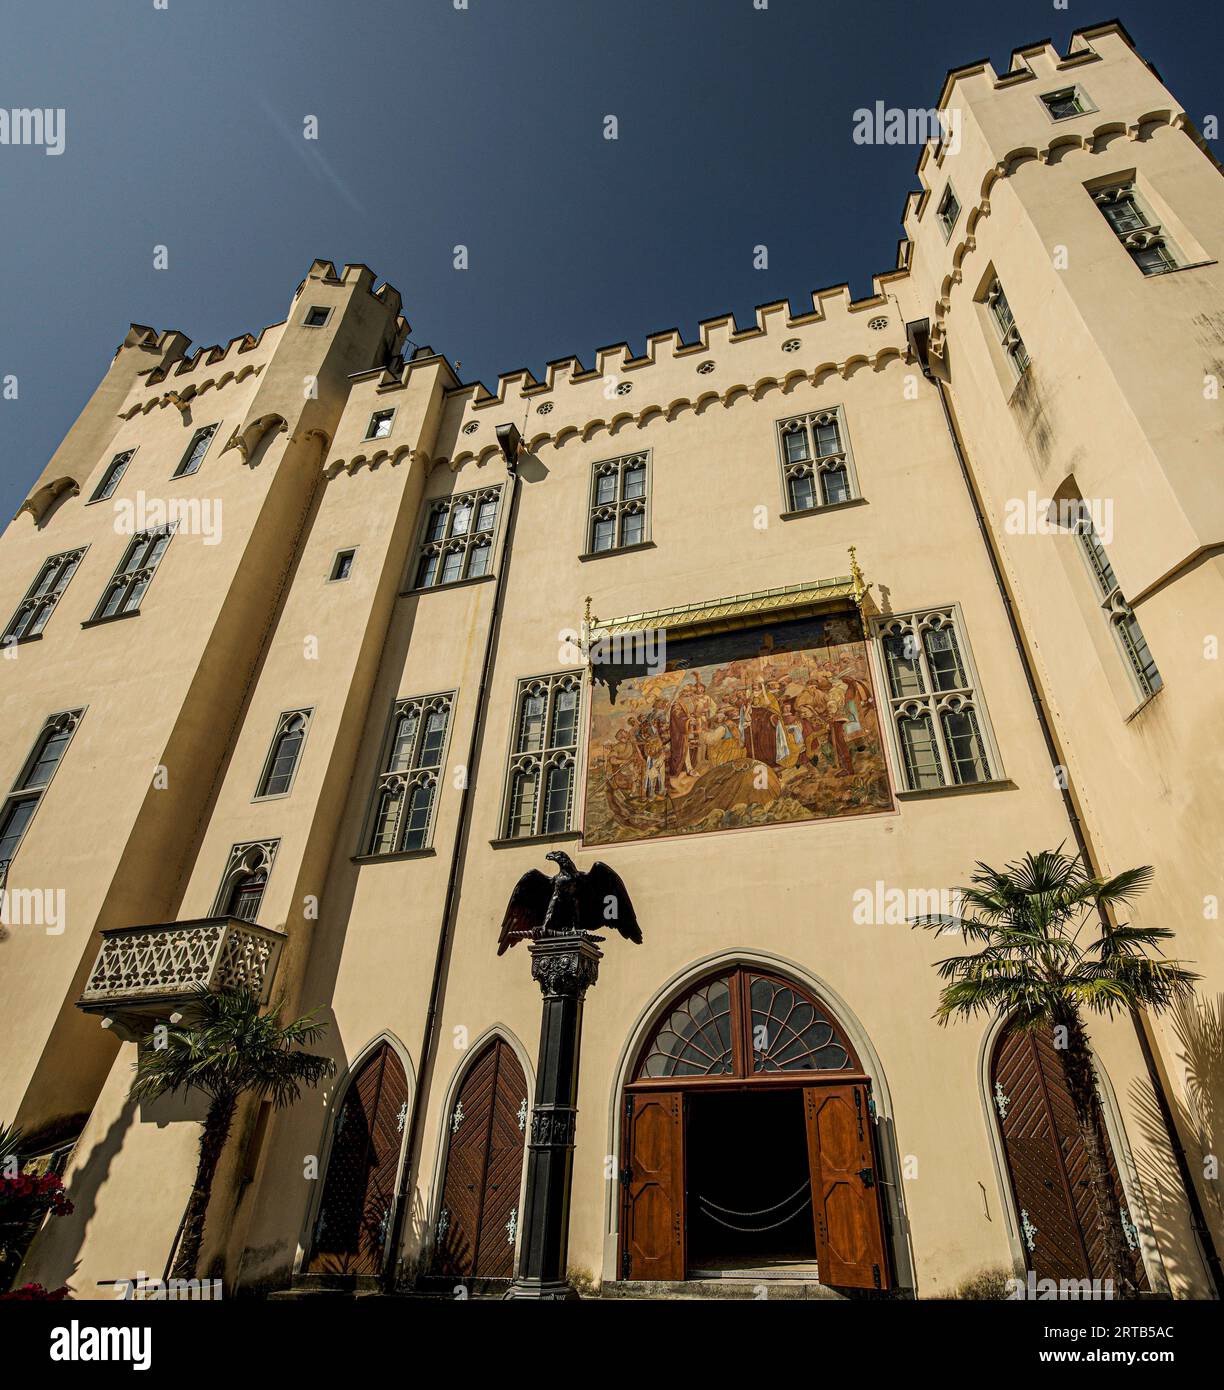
(1037, 967)
(227, 1049)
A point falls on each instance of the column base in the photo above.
(541, 1290)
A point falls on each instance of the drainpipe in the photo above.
(511, 443)
(918, 334)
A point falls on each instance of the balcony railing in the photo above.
(145, 970)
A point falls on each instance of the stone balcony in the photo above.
(153, 972)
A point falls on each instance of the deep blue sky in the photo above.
(480, 126)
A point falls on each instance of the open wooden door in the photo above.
(845, 1189)
(652, 1186)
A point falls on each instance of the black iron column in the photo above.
(565, 967)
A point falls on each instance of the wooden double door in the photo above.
(843, 1175)
(355, 1214)
(1047, 1165)
(477, 1224)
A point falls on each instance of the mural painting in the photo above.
(756, 726)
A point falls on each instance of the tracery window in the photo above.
(401, 817)
(1005, 326)
(39, 603)
(619, 505)
(281, 764)
(32, 782)
(109, 481)
(817, 466)
(1119, 614)
(191, 460)
(940, 731)
(245, 878)
(135, 573)
(457, 539)
(1136, 228)
(539, 793)
(745, 1022)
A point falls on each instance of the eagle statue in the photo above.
(572, 903)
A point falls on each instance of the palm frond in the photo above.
(230, 1046)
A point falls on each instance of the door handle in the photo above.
(867, 1176)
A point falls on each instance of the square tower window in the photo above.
(1066, 103)
(380, 424)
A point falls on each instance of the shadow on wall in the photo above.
(54, 1255)
(295, 1135)
(1198, 1025)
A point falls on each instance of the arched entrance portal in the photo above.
(474, 1236)
(359, 1191)
(1047, 1165)
(748, 1140)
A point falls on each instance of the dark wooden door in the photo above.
(1047, 1163)
(652, 1214)
(478, 1219)
(359, 1190)
(845, 1188)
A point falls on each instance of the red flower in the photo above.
(36, 1291)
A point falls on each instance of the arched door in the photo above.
(1047, 1165)
(478, 1219)
(354, 1218)
(748, 1140)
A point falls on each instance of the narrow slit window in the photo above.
(32, 782)
(194, 457)
(110, 478)
(282, 761)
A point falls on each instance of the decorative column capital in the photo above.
(565, 967)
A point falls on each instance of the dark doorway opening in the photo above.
(749, 1196)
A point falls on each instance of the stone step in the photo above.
(766, 1289)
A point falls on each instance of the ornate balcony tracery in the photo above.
(148, 970)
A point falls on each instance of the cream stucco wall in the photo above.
(232, 635)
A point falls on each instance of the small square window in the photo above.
(380, 424)
(316, 316)
(342, 565)
(949, 211)
(1066, 103)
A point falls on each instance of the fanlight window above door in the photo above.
(745, 1023)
